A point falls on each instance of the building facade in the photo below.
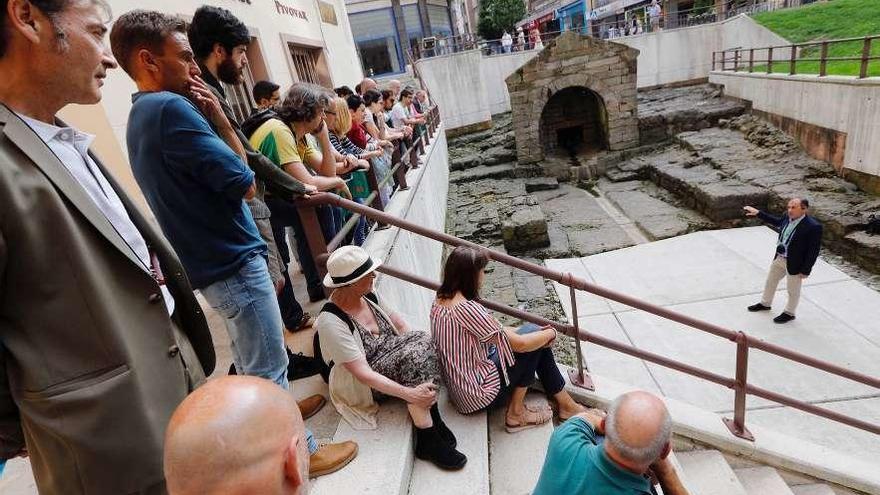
(385, 31)
(291, 40)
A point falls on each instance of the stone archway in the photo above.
(574, 121)
(606, 70)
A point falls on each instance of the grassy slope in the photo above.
(826, 21)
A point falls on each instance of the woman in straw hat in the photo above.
(373, 354)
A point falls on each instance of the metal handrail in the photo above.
(743, 341)
(736, 56)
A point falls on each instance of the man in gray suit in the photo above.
(100, 334)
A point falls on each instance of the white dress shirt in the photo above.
(72, 148)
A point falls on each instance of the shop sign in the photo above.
(287, 10)
(607, 9)
(328, 12)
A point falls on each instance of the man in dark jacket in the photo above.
(101, 336)
(797, 248)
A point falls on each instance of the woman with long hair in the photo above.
(484, 362)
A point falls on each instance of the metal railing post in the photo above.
(314, 237)
(823, 59)
(751, 59)
(737, 425)
(413, 153)
(713, 61)
(770, 60)
(578, 377)
(866, 55)
(400, 175)
(792, 61)
(736, 60)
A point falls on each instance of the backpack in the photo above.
(323, 366)
(873, 227)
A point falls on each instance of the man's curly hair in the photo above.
(211, 25)
(303, 102)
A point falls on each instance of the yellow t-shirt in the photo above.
(275, 140)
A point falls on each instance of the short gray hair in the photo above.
(303, 102)
(640, 455)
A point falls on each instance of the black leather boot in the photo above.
(444, 431)
(431, 447)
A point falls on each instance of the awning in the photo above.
(539, 17)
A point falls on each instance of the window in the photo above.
(439, 17)
(376, 38)
(305, 63)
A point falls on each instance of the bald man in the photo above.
(237, 435)
(366, 85)
(637, 433)
(394, 86)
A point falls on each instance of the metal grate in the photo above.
(305, 63)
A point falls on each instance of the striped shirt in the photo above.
(345, 146)
(462, 336)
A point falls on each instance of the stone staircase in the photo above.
(500, 463)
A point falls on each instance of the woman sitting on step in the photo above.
(482, 361)
(373, 354)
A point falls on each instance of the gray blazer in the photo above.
(91, 366)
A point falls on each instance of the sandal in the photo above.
(305, 322)
(530, 418)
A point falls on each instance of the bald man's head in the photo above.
(366, 85)
(394, 86)
(237, 434)
(638, 429)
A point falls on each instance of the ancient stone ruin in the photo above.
(577, 96)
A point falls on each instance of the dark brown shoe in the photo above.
(331, 458)
(311, 405)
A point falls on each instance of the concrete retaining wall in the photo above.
(843, 104)
(424, 203)
(470, 86)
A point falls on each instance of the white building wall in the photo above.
(266, 23)
(849, 105)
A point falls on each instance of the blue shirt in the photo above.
(195, 185)
(577, 464)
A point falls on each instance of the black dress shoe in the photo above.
(783, 318)
(758, 307)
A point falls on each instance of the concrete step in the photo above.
(384, 462)
(762, 481)
(814, 489)
(516, 459)
(472, 434)
(709, 474)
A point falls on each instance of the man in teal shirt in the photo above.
(637, 434)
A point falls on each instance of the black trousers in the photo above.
(526, 365)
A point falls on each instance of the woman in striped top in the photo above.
(482, 361)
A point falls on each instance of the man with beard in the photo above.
(219, 41)
(100, 334)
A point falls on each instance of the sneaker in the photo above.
(331, 458)
(759, 307)
(783, 318)
(311, 405)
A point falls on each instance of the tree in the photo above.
(496, 16)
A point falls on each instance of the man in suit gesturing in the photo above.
(797, 248)
(100, 334)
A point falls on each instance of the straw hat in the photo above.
(347, 265)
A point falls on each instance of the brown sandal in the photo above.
(530, 418)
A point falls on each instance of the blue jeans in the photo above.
(247, 301)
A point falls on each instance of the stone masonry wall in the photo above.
(571, 60)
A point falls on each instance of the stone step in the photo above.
(762, 481)
(384, 462)
(709, 474)
(516, 459)
(472, 434)
(813, 489)
(655, 217)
